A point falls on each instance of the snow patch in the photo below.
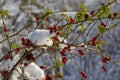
(34, 72)
(41, 37)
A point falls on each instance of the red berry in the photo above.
(69, 46)
(63, 52)
(115, 14)
(17, 49)
(51, 29)
(105, 59)
(26, 64)
(72, 20)
(5, 29)
(56, 39)
(102, 24)
(92, 13)
(66, 49)
(104, 69)
(52, 48)
(49, 77)
(23, 39)
(64, 60)
(30, 57)
(42, 26)
(83, 74)
(4, 73)
(81, 52)
(8, 56)
(28, 41)
(55, 27)
(37, 18)
(47, 19)
(94, 41)
(86, 16)
(58, 33)
(43, 67)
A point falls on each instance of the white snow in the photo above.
(62, 45)
(33, 72)
(16, 58)
(14, 77)
(41, 37)
(17, 71)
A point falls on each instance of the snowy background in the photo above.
(23, 11)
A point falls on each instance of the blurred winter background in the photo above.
(23, 11)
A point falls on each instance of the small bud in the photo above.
(115, 14)
(56, 39)
(23, 39)
(83, 74)
(86, 16)
(56, 27)
(105, 59)
(37, 18)
(26, 64)
(17, 49)
(4, 73)
(58, 34)
(29, 57)
(8, 56)
(42, 27)
(92, 13)
(64, 60)
(47, 19)
(72, 20)
(102, 24)
(51, 29)
(49, 77)
(94, 41)
(63, 52)
(81, 52)
(5, 29)
(43, 67)
(104, 69)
